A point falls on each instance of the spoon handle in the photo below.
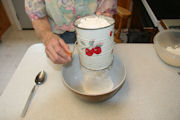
(28, 101)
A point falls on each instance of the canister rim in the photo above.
(95, 28)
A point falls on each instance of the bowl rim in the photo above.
(99, 94)
(156, 43)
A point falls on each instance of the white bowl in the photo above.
(165, 39)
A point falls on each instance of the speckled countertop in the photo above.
(151, 90)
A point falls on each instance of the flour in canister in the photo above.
(175, 50)
(93, 22)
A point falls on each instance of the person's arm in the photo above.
(56, 49)
(42, 28)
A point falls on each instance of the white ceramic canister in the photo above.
(95, 45)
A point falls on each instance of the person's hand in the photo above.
(106, 14)
(56, 49)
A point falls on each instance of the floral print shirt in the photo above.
(63, 13)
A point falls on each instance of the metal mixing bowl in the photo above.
(164, 39)
(88, 85)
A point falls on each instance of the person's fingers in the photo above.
(104, 13)
(54, 60)
(50, 56)
(57, 50)
(64, 46)
(107, 14)
(60, 51)
(55, 57)
(66, 49)
(98, 13)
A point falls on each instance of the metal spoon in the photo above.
(40, 78)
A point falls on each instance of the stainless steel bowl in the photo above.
(94, 86)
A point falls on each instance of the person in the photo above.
(53, 21)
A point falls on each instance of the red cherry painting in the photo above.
(97, 50)
(89, 52)
(92, 50)
(111, 33)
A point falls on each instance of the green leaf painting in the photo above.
(83, 43)
(99, 45)
(91, 43)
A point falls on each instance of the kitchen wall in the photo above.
(23, 18)
(11, 14)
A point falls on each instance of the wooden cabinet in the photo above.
(124, 4)
(4, 21)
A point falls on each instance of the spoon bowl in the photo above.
(40, 78)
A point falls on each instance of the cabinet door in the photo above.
(4, 21)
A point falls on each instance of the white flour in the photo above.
(94, 22)
(174, 50)
(96, 82)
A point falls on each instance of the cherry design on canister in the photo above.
(89, 51)
(97, 50)
(111, 33)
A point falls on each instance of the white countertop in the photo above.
(151, 90)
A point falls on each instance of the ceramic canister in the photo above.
(95, 45)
